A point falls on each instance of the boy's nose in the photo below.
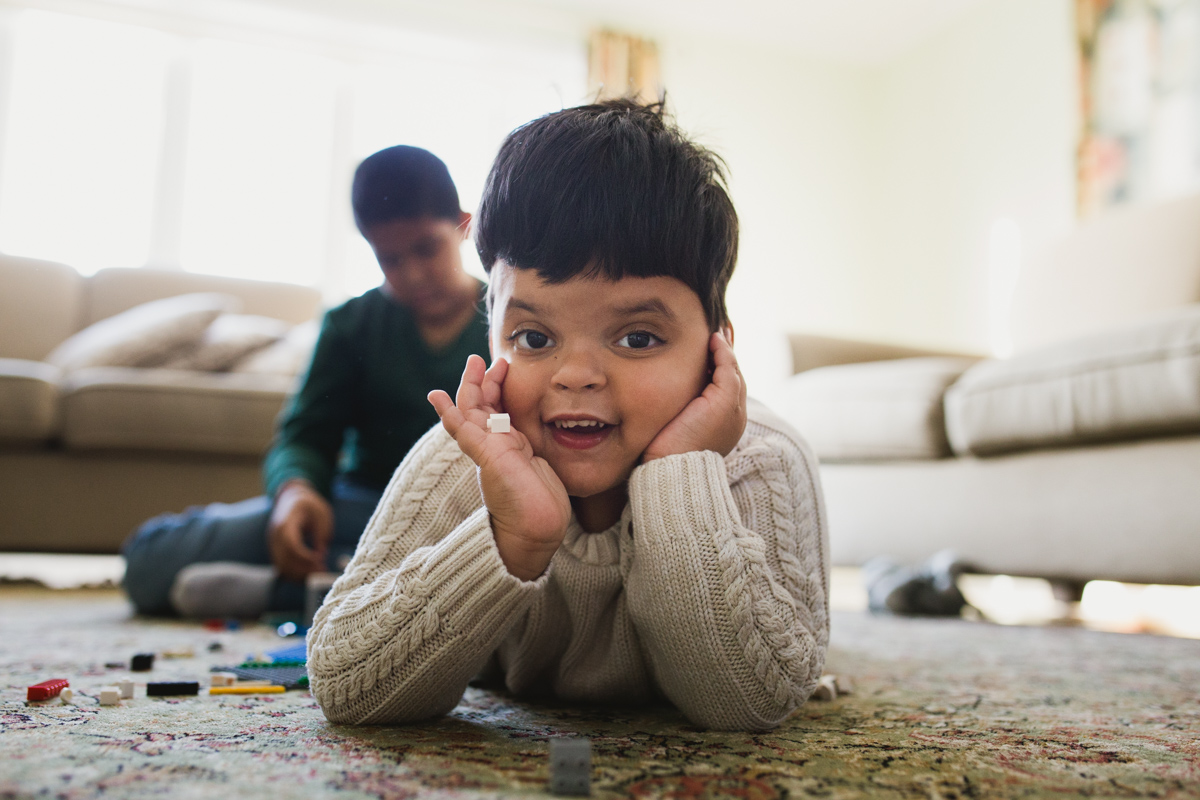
(579, 370)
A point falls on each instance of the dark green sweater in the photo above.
(362, 404)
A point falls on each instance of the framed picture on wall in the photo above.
(1140, 73)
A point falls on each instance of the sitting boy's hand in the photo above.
(528, 504)
(301, 516)
(713, 421)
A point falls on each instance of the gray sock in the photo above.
(222, 589)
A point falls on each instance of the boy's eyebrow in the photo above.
(518, 303)
(652, 306)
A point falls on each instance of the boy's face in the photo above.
(421, 262)
(629, 354)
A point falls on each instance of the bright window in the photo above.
(259, 163)
(232, 154)
(81, 149)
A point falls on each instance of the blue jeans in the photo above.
(157, 551)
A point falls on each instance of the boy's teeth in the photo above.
(580, 423)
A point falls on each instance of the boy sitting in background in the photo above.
(643, 531)
(362, 401)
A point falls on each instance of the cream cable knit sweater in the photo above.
(711, 590)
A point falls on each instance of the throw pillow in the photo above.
(227, 340)
(288, 356)
(145, 335)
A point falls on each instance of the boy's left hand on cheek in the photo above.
(713, 421)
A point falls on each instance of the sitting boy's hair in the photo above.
(611, 190)
(402, 182)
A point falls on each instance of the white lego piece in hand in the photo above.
(498, 423)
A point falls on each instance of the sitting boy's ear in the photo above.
(464, 224)
(727, 330)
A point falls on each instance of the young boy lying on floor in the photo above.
(643, 531)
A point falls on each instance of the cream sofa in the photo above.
(86, 455)
(1078, 458)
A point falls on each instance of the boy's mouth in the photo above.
(579, 434)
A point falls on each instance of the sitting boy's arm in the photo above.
(727, 583)
(424, 602)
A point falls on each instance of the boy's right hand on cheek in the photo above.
(528, 504)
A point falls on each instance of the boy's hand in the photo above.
(713, 421)
(527, 502)
(300, 516)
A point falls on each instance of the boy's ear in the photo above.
(464, 223)
(727, 329)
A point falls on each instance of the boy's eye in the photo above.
(531, 340)
(638, 340)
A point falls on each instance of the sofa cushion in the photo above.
(1135, 381)
(227, 341)
(876, 410)
(160, 409)
(40, 305)
(28, 400)
(288, 356)
(111, 291)
(144, 336)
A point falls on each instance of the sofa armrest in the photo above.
(810, 351)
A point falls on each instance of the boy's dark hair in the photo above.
(402, 182)
(612, 190)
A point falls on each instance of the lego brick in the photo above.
(571, 766)
(499, 423)
(126, 687)
(46, 689)
(826, 688)
(167, 688)
(247, 690)
(67, 696)
(110, 696)
(223, 679)
(292, 677)
(297, 654)
(142, 662)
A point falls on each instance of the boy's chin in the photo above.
(592, 485)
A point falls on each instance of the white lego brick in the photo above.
(67, 696)
(223, 679)
(826, 688)
(126, 687)
(110, 695)
(499, 423)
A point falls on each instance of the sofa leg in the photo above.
(1067, 590)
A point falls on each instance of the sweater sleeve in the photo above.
(424, 602)
(727, 581)
(313, 425)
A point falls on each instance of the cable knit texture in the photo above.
(711, 590)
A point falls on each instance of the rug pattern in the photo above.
(941, 709)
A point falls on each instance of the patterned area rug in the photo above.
(941, 709)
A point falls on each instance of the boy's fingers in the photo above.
(470, 392)
(493, 383)
(726, 374)
(470, 437)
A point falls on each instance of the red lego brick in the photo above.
(46, 689)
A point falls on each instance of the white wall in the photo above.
(976, 123)
(797, 137)
(867, 193)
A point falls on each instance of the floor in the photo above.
(1006, 600)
